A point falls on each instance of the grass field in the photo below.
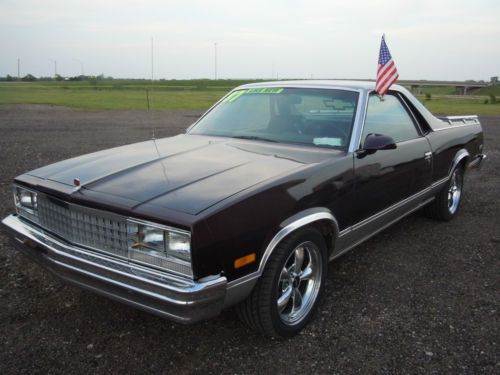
(111, 99)
(461, 106)
(194, 94)
(111, 95)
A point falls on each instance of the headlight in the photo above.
(26, 202)
(159, 246)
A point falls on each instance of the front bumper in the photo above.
(172, 297)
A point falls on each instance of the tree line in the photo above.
(57, 77)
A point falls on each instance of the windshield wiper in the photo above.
(253, 138)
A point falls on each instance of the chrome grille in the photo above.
(84, 226)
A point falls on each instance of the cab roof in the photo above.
(362, 86)
(345, 84)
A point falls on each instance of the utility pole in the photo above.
(148, 96)
(55, 67)
(81, 66)
(152, 65)
(18, 68)
(215, 60)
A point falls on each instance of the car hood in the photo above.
(186, 173)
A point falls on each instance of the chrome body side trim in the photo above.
(370, 235)
(394, 206)
(360, 232)
(461, 154)
(177, 298)
(450, 127)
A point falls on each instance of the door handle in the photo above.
(428, 155)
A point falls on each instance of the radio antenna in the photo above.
(152, 82)
(152, 117)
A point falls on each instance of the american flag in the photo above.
(387, 73)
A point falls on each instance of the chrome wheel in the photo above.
(446, 204)
(454, 192)
(291, 286)
(299, 283)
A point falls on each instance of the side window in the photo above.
(389, 117)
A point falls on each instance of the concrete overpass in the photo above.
(461, 87)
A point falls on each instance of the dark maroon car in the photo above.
(250, 204)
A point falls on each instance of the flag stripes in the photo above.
(387, 72)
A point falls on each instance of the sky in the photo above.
(428, 39)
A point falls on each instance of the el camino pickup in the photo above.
(247, 207)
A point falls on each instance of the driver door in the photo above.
(390, 178)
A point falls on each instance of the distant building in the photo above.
(494, 80)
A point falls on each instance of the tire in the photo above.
(289, 290)
(446, 205)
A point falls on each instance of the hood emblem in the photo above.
(76, 182)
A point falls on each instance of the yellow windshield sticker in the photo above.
(258, 90)
(233, 96)
(265, 90)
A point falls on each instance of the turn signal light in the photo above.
(243, 261)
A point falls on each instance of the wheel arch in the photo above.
(319, 217)
(461, 157)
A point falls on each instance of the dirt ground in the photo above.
(420, 297)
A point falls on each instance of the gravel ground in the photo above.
(421, 297)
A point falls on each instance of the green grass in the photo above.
(193, 94)
(461, 106)
(495, 90)
(448, 90)
(109, 98)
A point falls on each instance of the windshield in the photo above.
(314, 117)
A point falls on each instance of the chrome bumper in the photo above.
(172, 297)
(477, 162)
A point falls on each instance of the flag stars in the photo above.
(387, 73)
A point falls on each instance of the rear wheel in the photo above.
(290, 288)
(446, 205)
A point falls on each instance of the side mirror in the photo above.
(375, 142)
